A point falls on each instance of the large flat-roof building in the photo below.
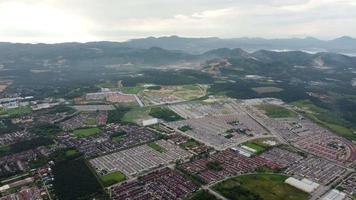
(305, 185)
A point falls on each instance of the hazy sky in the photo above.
(118, 20)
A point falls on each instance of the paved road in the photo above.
(217, 195)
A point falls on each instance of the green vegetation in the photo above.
(16, 112)
(7, 126)
(107, 85)
(165, 114)
(326, 118)
(185, 128)
(155, 87)
(189, 143)
(85, 132)
(112, 178)
(202, 195)
(131, 90)
(136, 113)
(228, 136)
(45, 130)
(156, 147)
(214, 165)
(275, 111)
(255, 146)
(117, 115)
(74, 180)
(71, 153)
(91, 122)
(259, 187)
(61, 109)
(262, 90)
(25, 145)
(117, 137)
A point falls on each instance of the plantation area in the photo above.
(112, 178)
(259, 187)
(275, 111)
(85, 132)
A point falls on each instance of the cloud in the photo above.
(86, 20)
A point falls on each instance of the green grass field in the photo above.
(164, 113)
(275, 111)
(85, 132)
(255, 146)
(112, 178)
(91, 122)
(131, 90)
(136, 114)
(71, 152)
(259, 187)
(15, 112)
(326, 119)
(156, 147)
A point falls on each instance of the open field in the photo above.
(172, 94)
(262, 90)
(131, 90)
(255, 146)
(259, 186)
(112, 178)
(15, 112)
(85, 132)
(136, 114)
(326, 118)
(275, 111)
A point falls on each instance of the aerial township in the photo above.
(213, 141)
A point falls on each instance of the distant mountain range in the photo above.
(106, 53)
(345, 44)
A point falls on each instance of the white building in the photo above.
(149, 122)
(334, 195)
(305, 185)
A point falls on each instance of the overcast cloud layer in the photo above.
(118, 20)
